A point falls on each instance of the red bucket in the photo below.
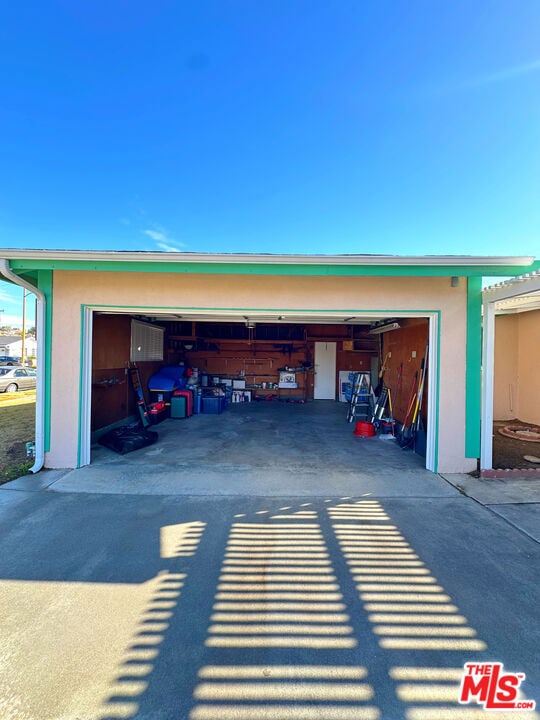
(364, 429)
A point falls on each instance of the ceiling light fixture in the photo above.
(384, 327)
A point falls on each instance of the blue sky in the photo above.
(268, 126)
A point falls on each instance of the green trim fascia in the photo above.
(274, 268)
(45, 284)
(473, 369)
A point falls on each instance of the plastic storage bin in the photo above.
(157, 412)
(188, 394)
(213, 405)
(179, 407)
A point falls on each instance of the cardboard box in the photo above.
(288, 385)
(239, 384)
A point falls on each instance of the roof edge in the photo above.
(266, 258)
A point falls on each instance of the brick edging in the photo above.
(529, 473)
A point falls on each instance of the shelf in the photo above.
(243, 341)
(106, 385)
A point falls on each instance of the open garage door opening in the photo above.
(295, 368)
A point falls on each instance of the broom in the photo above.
(407, 432)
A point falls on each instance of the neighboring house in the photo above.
(331, 306)
(12, 345)
(511, 355)
(517, 367)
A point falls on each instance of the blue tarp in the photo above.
(168, 378)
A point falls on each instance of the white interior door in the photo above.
(325, 371)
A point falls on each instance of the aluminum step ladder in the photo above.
(361, 397)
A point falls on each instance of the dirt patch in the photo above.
(509, 453)
(17, 425)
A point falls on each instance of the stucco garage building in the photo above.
(309, 311)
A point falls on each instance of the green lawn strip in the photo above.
(11, 398)
(14, 472)
(17, 427)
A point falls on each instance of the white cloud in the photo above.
(6, 298)
(13, 320)
(168, 247)
(504, 74)
(156, 235)
(11, 306)
(163, 241)
(451, 86)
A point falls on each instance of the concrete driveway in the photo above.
(261, 607)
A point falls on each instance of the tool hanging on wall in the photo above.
(398, 382)
(405, 428)
(390, 419)
(380, 405)
(409, 433)
(419, 422)
(380, 384)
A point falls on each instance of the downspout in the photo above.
(6, 271)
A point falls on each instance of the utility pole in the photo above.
(23, 325)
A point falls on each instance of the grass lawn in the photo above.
(17, 423)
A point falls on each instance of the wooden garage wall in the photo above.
(113, 399)
(405, 342)
(260, 361)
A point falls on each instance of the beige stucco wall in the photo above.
(505, 387)
(529, 366)
(516, 391)
(71, 289)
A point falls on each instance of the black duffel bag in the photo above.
(127, 438)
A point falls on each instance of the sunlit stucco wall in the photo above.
(529, 367)
(505, 387)
(176, 291)
(516, 392)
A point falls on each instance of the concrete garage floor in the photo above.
(259, 597)
(259, 449)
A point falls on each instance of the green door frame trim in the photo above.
(85, 371)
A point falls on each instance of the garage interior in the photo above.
(248, 360)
